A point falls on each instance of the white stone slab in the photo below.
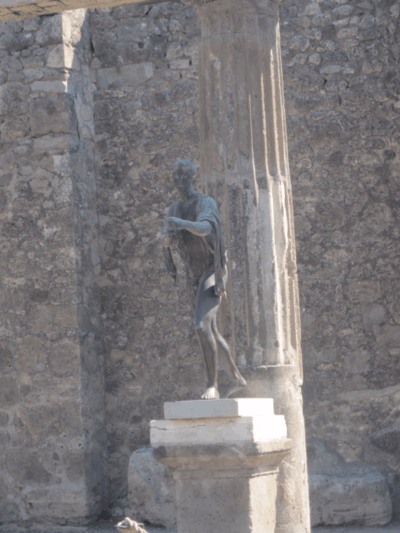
(232, 430)
(218, 408)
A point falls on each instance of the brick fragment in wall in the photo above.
(53, 115)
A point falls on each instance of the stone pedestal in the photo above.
(224, 455)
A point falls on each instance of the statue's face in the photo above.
(183, 181)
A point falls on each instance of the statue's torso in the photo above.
(193, 249)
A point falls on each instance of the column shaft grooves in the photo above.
(245, 165)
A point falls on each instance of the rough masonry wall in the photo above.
(52, 438)
(145, 85)
(342, 85)
(342, 88)
(341, 82)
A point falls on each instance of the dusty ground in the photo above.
(108, 527)
(390, 528)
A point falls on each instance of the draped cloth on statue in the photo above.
(200, 253)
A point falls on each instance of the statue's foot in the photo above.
(210, 394)
(234, 386)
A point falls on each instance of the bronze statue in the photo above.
(193, 225)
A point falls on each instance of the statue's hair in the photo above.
(185, 166)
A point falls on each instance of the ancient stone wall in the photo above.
(343, 110)
(342, 98)
(144, 72)
(52, 465)
(341, 81)
(136, 68)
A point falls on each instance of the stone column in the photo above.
(244, 165)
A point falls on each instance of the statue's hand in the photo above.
(166, 240)
(175, 223)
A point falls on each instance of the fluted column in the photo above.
(244, 165)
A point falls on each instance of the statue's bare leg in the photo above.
(236, 380)
(208, 344)
(206, 310)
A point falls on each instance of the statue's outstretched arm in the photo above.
(201, 228)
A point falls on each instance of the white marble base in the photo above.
(232, 430)
(235, 421)
(219, 408)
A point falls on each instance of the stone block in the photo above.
(150, 490)
(63, 56)
(14, 128)
(58, 505)
(11, 64)
(15, 43)
(58, 86)
(362, 500)
(218, 430)
(14, 95)
(125, 76)
(137, 49)
(54, 30)
(53, 114)
(219, 408)
(345, 493)
(56, 144)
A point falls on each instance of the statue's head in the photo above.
(184, 173)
